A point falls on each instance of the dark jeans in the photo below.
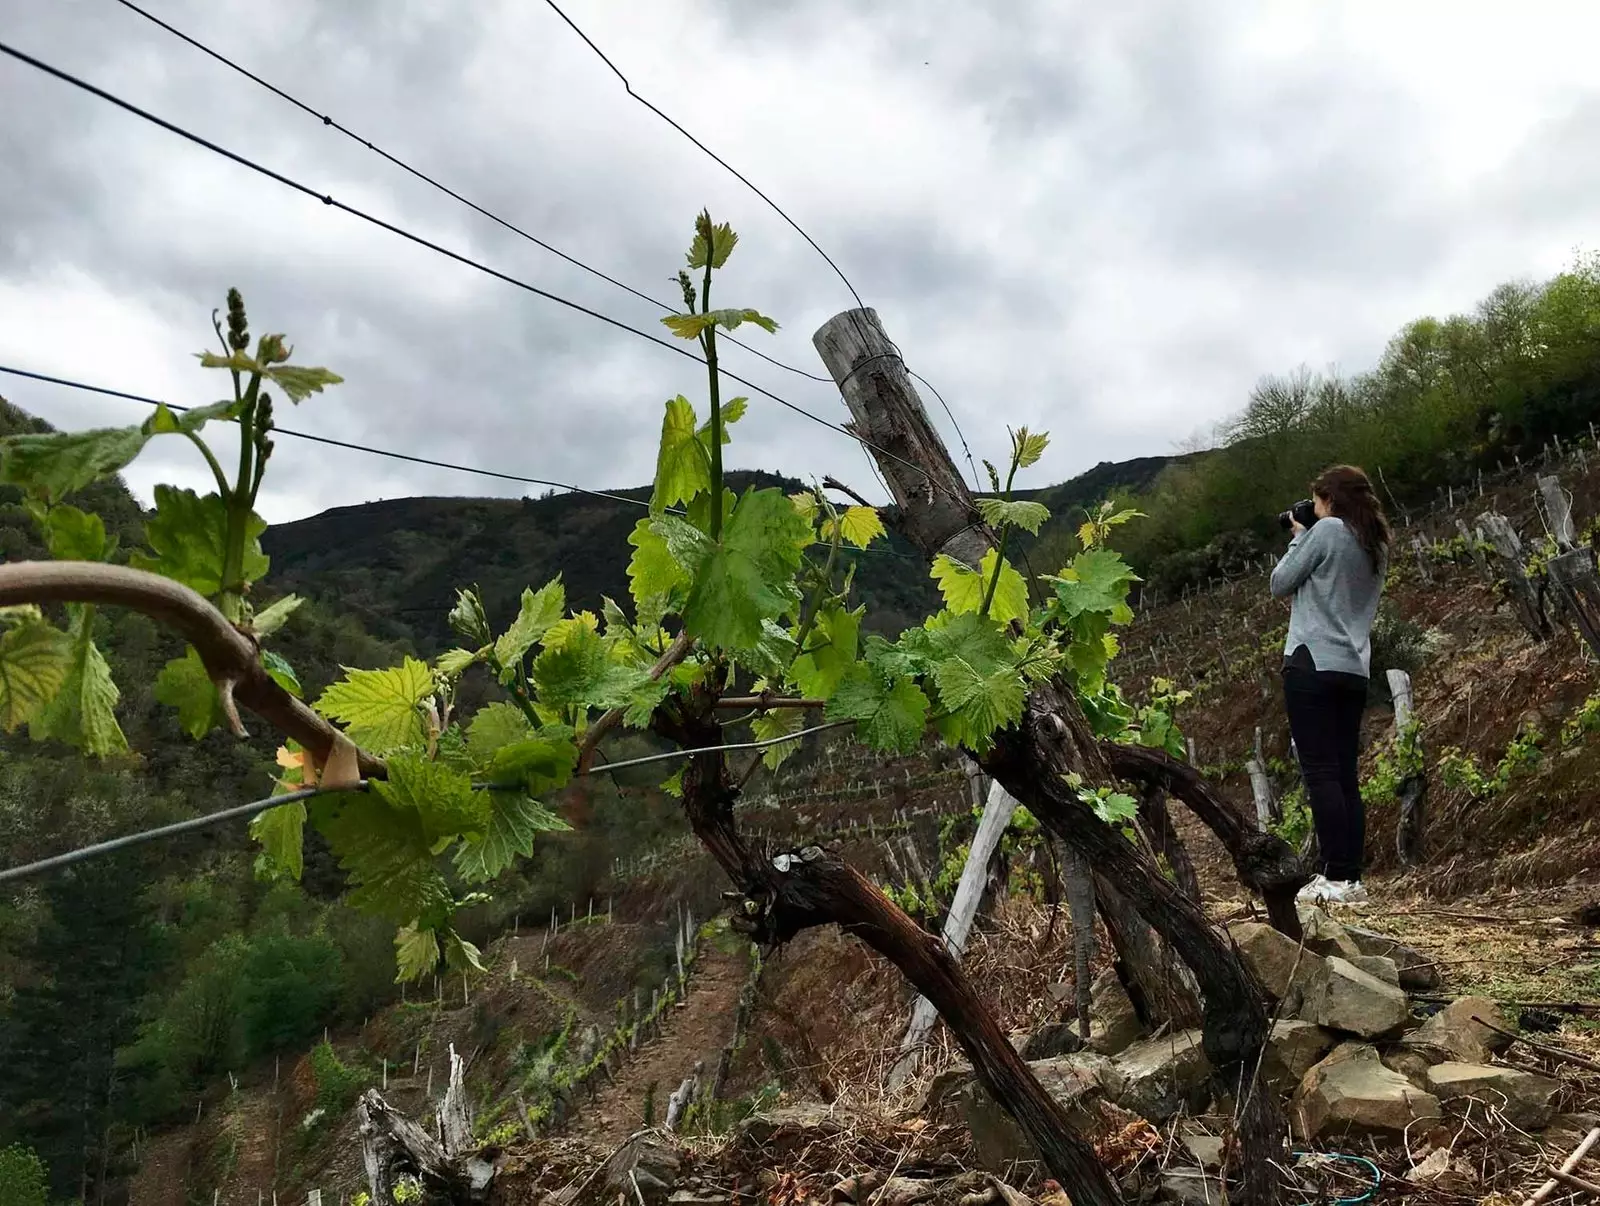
(1325, 719)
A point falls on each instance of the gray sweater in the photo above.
(1335, 597)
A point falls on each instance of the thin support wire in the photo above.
(328, 121)
(251, 809)
(419, 240)
(255, 807)
(738, 175)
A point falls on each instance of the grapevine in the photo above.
(729, 594)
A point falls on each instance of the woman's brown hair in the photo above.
(1350, 497)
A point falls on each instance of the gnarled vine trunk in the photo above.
(787, 892)
(1031, 760)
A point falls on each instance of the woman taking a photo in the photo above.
(1334, 569)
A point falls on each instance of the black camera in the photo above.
(1303, 512)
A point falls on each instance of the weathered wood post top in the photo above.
(936, 509)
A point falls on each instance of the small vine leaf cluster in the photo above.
(729, 592)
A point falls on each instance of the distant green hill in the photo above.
(396, 564)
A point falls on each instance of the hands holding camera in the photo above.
(1298, 517)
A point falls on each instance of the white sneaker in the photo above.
(1346, 891)
(1317, 890)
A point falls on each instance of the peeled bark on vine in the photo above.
(787, 892)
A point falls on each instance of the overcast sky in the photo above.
(1104, 220)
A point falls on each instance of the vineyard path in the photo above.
(696, 1029)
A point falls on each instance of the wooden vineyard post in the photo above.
(1422, 560)
(1474, 542)
(1033, 758)
(1509, 561)
(997, 813)
(1572, 570)
(1412, 790)
(1261, 787)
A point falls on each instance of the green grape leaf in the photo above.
(805, 502)
(166, 421)
(493, 726)
(540, 610)
(83, 711)
(236, 361)
(467, 618)
(579, 627)
(616, 620)
(683, 468)
(711, 242)
(1028, 446)
(184, 684)
(454, 661)
(749, 576)
(580, 673)
(889, 715)
(731, 320)
(460, 955)
(653, 572)
(979, 701)
(281, 832)
(690, 326)
(831, 650)
(688, 545)
(772, 653)
(387, 853)
(908, 656)
(298, 382)
(274, 616)
(963, 588)
(1102, 569)
(282, 673)
(861, 526)
(732, 411)
(1095, 583)
(380, 708)
(74, 535)
(779, 722)
(974, 668)
(452, 749)
(53, 464)
(514, 823)
(538, 763)
(673, 784)
(643, 698)
(416, 953)
(188, 534)
(442, 797)
(997, 512)
(1114, 808)
(978, 640)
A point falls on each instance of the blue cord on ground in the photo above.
(1377, 1177)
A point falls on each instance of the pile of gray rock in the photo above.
(1346, 1049)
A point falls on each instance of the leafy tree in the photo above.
(92, 962)
(23, 1181)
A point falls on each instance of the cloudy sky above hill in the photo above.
(1106, 221)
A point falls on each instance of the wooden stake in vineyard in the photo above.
(1572, 569)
